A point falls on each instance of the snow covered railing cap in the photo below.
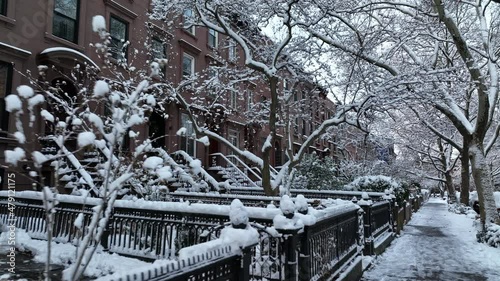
(172, 268)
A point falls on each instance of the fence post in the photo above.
(290, 246)
(304, 257)
(367, 218)
(246, 260)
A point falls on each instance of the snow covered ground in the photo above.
(437, 245)
(62, 254)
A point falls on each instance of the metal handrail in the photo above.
(238, 169)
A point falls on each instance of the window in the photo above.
(212, 72)
(304, 129)
(249, 100)
(232, 51)
(5, 88)
(187, 140)
(157, 49)
(234, 138)
(212, 38)
(187, 65)
(233, 99)
(188, 21)
(65, 21)
(3, 7)
(118, 31)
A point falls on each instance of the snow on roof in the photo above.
(75, 52)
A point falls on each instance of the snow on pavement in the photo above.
(437, 245)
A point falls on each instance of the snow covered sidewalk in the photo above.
(437, 245)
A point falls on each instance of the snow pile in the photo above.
(14, 156)
(101, 88)
(38, 158)
(101, 264)
(236, 238)
(98, 23)
(492, 235)
(21, 138)
(152, 162)
(47, 115)
(289, 220)
(181, 132)
(12, 103)
(195, 166)
(301, 204)
(85, 139)
(25, 91)
(79, 221)
(286, 205)
(238, 215)
(204, 140)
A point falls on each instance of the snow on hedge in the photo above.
(373, 183)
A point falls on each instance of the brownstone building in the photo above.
(59, 33)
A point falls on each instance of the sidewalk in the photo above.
(436, 245)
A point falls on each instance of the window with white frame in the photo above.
(249, 100)
(212, 38)
(158, 49)
(233, 101)
(188, 20)
(234, 139)
(188, 63)
(188, 143)
(232, 51)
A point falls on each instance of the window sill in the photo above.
(192, 35)
(67, 43)
(8, 21)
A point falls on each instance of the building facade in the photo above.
(59, 34)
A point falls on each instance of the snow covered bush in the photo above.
(491, 236)
(373, 183)
(381, 184)
(316, 173)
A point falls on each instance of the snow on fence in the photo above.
(311, 194)
(218, 264)
(332, 239)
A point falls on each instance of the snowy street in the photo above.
(436, 245)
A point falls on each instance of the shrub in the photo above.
(381, 184)
(316, 173)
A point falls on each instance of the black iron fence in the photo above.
(316, 252)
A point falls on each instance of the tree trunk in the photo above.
(269, 190)
(449, 187)
(484, 186)
(465, 174)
